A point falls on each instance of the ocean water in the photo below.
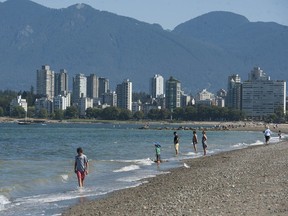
(36, 161)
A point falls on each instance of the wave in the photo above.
(3, 201)
(127, 168)
(145, 161)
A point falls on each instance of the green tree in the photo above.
(5, 99)
(190, 113)
(125, 114)
(93, 112)
(58, 114)
(138, 115)
(178, 113)
(1, 111)
(43, 113)
(18, 112)
(31, 112)
(71, 112)
(110, 113)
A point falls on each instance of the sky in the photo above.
(170, 13)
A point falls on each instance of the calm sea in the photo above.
(36, 161)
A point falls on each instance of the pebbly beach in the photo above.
(249, 181)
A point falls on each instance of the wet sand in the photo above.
(250, 181)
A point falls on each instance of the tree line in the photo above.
(189, 113)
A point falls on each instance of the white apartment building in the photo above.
(157, 86)
(124, 95)
(262, 96)
(79, 87)
(205, 97)
(83, 104)
(45, 82)
(61, 102)
(18, 102)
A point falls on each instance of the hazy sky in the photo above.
(169, 13)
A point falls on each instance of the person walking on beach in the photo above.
(81, 166)
(176, 143)
(267, 134)
(158, 150)
(194, 141)
(204, 141)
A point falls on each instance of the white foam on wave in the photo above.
(145, 161)
(258, 142)
(3, 201)
(127, 168)
(134, 178)
(239, 145)
(48, 198)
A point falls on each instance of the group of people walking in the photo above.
(81, 161)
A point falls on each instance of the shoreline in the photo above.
(216, 125)
(249, 181)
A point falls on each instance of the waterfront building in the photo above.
(19, 101)
(234, 92)
(136, 106)
(92, 86)
(262, 96)
(204, 95)
(79, 87)
(185, 100)
(45, 82)
(83, 104)
(173, 94)
(110, 98)
(61, 102)
(44, 103)
(61, 83)
(124, 95)
(103, 86)
(157, 86)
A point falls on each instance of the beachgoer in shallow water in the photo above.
(204, 142)
(279, 135)
(194, 141)
(81, 166)
(176, 143)
(158, 150)
(267, 134)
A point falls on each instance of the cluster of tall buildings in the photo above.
(257, 97)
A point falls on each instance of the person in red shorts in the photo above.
(81, 166)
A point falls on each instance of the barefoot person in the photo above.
(158, 150)
(194, 141)
(204, 141)
(81, 166)
(176, 143)
(267, 134)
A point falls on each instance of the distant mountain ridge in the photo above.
(201, 52)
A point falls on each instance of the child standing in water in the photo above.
(81, 166)
(158, 150)
(204, 141)
(194, 141)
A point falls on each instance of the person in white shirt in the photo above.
(267, 134)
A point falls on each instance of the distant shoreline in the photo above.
(237, 125)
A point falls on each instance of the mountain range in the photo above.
(200, 53)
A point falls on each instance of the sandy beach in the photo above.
(250, 181)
